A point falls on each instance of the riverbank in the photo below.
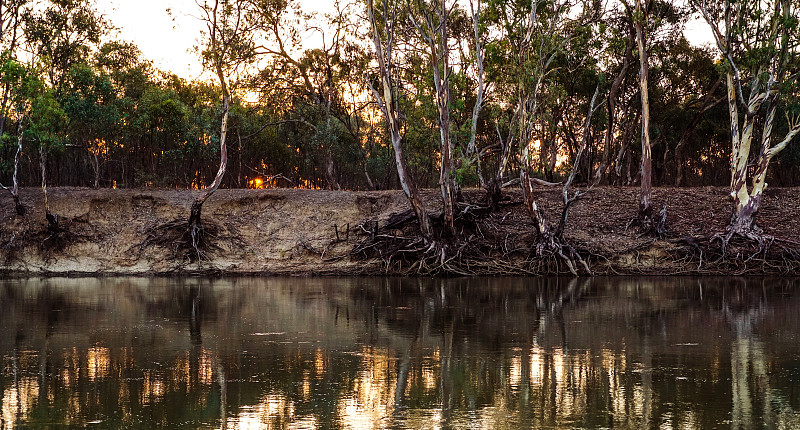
(312, 232)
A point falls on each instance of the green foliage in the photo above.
(302, 113)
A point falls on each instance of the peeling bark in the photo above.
(646, 198)
(762, 91)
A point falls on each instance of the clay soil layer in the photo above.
(294, 232)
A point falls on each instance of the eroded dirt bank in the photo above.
(295, 232)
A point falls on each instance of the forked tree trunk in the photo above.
(542, 227)
(550, 240)
(645, 202)
(746, 202)
(387, 102)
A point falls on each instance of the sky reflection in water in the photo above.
(400, 353)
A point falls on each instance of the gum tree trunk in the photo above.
(646, 197)
(480, 53)
(435, 35)
(96, 166)
(197, 205)
(218, 49)
(52, 220)
(766, 76)
(14, 190)
(387, 102)
(442, 81)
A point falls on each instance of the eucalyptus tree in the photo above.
(645, 216)
(40, 121)
(538, 38)
(431, 22)
(17, 79)
(10, 14)
(227, 49)
(48, 122)
(479, 53)
(760, 46)
(62, 33)
(10, 31)
(384, 23)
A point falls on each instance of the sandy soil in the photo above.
(288, 231)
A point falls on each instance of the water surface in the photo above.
(400, 353)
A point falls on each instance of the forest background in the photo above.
(497, 90)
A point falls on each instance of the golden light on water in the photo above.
(98, 361)
(555, 379)
(273, 411)
(515, 371)
(153, 388)
(70, 373)
(371, 402)
(369, 379)
(537, 365)
(319, 363)
(205, 371)
(17, 402)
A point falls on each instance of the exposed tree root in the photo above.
(53, 239)
(400, 248)
(651, 224)
(554, 244)
(739, 256)
(193, 241)
(19, 208)
(488, 244)
(744, 229)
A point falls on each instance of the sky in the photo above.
(168, 39)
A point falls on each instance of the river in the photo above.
(250, 353)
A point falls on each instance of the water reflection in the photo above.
(400, 353)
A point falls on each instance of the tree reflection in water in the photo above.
(406, 353)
